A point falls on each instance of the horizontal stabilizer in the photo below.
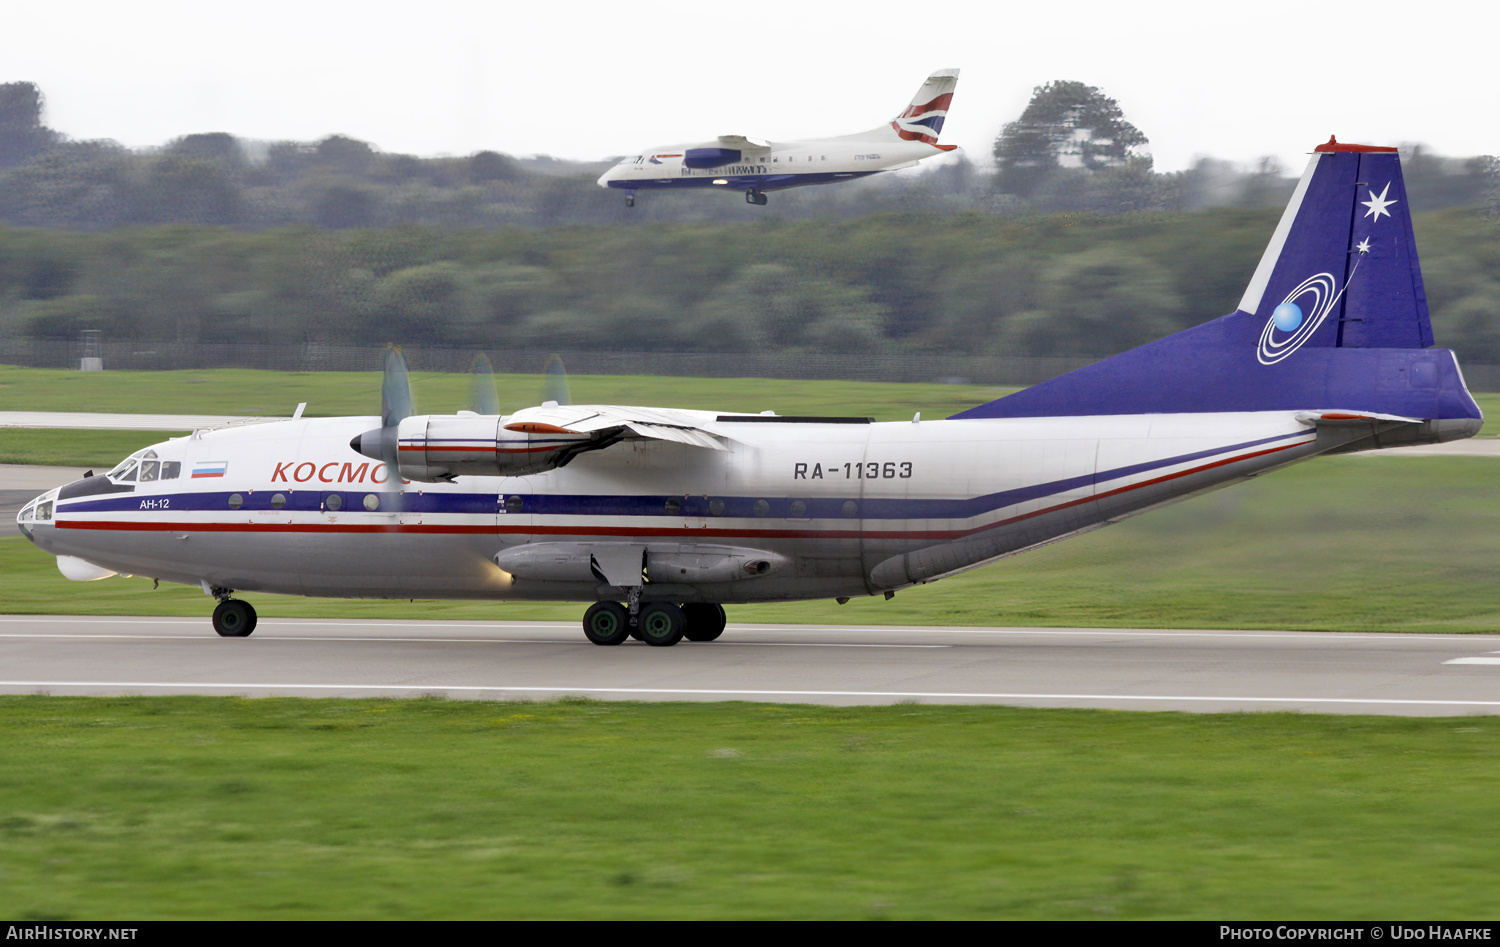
(1345, 418)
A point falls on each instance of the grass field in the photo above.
(1361, 543)
(255, 393)
(279, 808)
(328, 394)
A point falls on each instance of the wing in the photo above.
(742, 143)
(609, 424)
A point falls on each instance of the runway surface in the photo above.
(1126, 669)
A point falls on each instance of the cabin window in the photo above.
(674, 506)
(236, 501)
(850, 508)
(716, 506)
(761, 508)
(372, 502)
(278, 501)
(798, 509)
(333, 503)
(171, 469)
(513, 504)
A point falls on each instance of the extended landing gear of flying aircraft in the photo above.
(629, 198)
(660, 624)
(234, 618)
(754, 196)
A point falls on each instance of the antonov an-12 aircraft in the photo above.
(754, 165)
(658, 517)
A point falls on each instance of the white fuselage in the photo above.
(841, 509)
(778, 165)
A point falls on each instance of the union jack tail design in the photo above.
(922, 120)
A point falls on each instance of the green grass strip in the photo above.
(183, 807)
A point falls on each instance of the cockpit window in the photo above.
(129, 473)
(171, 469)
(150, 469)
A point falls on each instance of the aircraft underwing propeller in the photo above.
(557, 382)
(483, 398)
(395, 406)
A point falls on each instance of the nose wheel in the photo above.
(754, 196)
(234, 618)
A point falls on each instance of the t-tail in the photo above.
(922, 120)
(1333, 325)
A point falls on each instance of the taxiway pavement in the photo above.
(1125, 669)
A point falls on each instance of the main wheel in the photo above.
(234, 618)
(705, 621)
(606, 623)
(661, 624)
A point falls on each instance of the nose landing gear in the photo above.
(754, 196)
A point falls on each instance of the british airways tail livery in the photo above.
(658, 517)
(755, 166)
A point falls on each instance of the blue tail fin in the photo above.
(1335, 317)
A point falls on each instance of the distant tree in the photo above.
(211, 146)
(341, 204)
(1066, 125)
(22, 134)
(179, 189)
(493, 166)
(345, 154)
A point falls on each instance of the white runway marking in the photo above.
(730, 693)
(717, 644)
(267, 623)
(1473, 661)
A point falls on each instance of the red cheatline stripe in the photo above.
(941, 102)
(491, 449)
(581, 529)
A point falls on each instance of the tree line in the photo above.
(1065, 284)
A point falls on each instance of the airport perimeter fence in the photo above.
(951, 369)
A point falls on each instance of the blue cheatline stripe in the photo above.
(308, 498)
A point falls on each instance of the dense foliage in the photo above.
(971, 283)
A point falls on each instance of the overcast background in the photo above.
(586, 80)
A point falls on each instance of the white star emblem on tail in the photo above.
(1379, 204)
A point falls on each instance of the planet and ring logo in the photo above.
(1294, 321)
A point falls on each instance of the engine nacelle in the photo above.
(438, 447)
(705, 158)
(627, 564)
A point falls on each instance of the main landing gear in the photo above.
(754, 196)
(234, 618)
(629, 198)
(661, 624)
